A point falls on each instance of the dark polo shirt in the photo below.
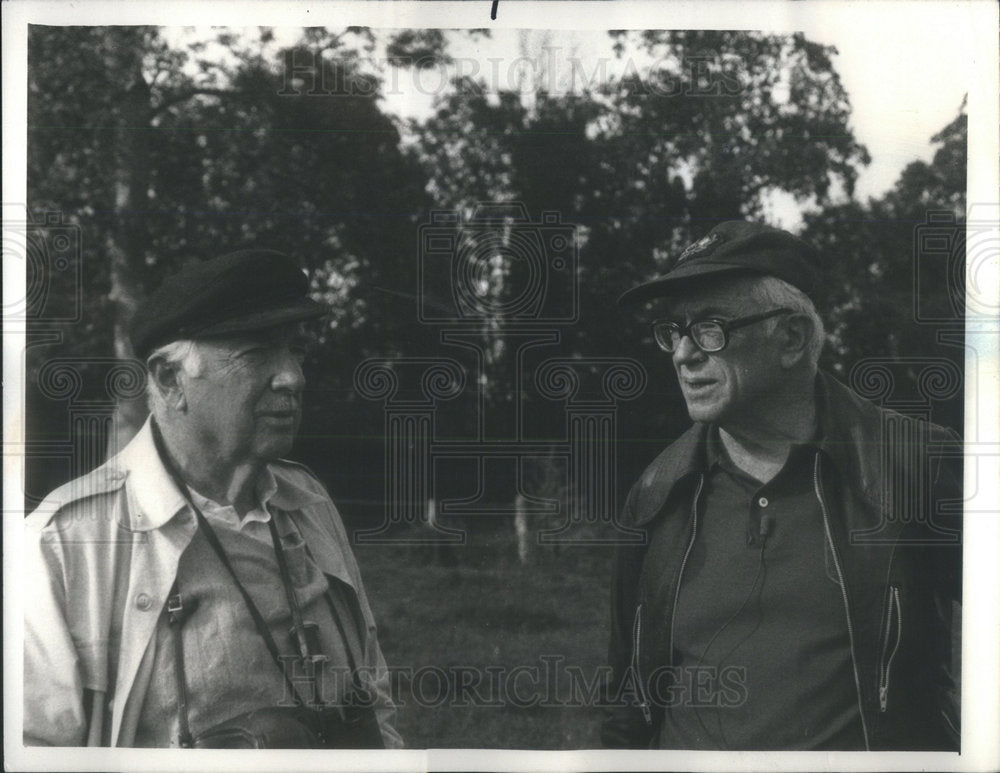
(760, 628)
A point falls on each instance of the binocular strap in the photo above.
(176, 615)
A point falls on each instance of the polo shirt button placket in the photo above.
(762, 525)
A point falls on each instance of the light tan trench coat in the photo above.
(101, 555)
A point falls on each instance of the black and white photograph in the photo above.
(501, 386)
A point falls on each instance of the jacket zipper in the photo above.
(637, 624)
(843, 593)
(680, 573)
(636, 632)
(886, 666)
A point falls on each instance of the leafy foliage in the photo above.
(706, 131)
(162, 156)
(417, 48)
(163, 152)
(878, 273)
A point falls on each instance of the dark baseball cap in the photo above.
(240, 292)
(736, 247)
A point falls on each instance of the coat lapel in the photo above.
(153, 513)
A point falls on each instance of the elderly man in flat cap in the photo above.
(798, 576)
(197, 590)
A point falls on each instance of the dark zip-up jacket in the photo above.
(889, 488)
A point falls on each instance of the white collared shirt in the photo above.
(226, 516)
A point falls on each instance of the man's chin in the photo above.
(706, 414)
(703, 413)
(275, 446)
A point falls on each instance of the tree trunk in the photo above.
(126, 241)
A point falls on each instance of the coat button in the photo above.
(763, 502)
(143, 602)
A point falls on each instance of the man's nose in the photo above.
(289, 373)
(687, 352)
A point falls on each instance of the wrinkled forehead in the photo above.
(725, 297)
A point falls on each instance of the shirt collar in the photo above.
(154, 499)
(716, 454)
(849, 434)
(264, 490)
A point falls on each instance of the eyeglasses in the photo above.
(709, 335)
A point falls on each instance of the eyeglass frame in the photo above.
(724, 325)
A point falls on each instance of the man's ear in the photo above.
(165, 377)
(797, 332)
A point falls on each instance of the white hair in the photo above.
(769, 291)
(183, 355)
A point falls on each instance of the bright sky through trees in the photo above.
(904, 83)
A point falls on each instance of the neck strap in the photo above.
(213, 540)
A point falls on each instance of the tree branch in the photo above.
(186, 95)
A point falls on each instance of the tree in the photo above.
(89, 158)
(721, 120)
(885, 297)
(706, 131)
(163, 154)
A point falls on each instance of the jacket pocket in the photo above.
(890, 645)
(636, 668)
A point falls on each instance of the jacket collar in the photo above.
(290, 496)
(850, 437)
(153, 499)
(683, 458)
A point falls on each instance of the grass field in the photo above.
(487, 652)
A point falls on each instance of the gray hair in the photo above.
(183, 355)
(769, 291)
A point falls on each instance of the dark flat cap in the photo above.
(236, 293)
(736, 247)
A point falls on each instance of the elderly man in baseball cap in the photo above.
(797, 579)
(197, 590)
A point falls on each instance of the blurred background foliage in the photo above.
(162, 153)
